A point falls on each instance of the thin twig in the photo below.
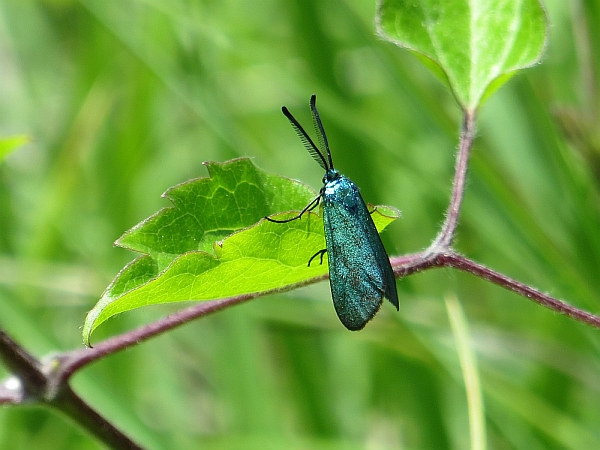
(445, 237)
(467, 265)
(35, 382)
(73, 406)
(74, 360)
(418, 262)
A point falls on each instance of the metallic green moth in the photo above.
(360, 274)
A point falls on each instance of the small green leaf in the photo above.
(253, 257)
(236, 195)
(477, 44)
(8, 144)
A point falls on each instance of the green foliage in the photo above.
(11, 143)
(236, 195)
(124, 99)
(477, 45)
(195, 250)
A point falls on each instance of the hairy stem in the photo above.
(445, 237)
(417, 262)
(460, 262)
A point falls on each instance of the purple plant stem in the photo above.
(78, 410)
(446, 235)
(75, 360)
(40, 386)
(467, 265)
(416, 262)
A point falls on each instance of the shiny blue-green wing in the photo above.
(360, 274)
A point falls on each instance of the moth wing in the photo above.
(382, 259)
(359, 268)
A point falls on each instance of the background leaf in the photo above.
(265, 257)
(478, 45)
(11, 143)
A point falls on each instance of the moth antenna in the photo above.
(319, 127)
(306, 140)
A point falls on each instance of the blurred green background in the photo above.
(123, 99)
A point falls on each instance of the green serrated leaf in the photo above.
(257, 257)
(236, 195)
(476, 43)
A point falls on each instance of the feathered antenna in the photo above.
(319, 129)
(308, 143)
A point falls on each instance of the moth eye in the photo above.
(324, 179)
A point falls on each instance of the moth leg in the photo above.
(320, 252)
(312, 205)
(374, 209)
